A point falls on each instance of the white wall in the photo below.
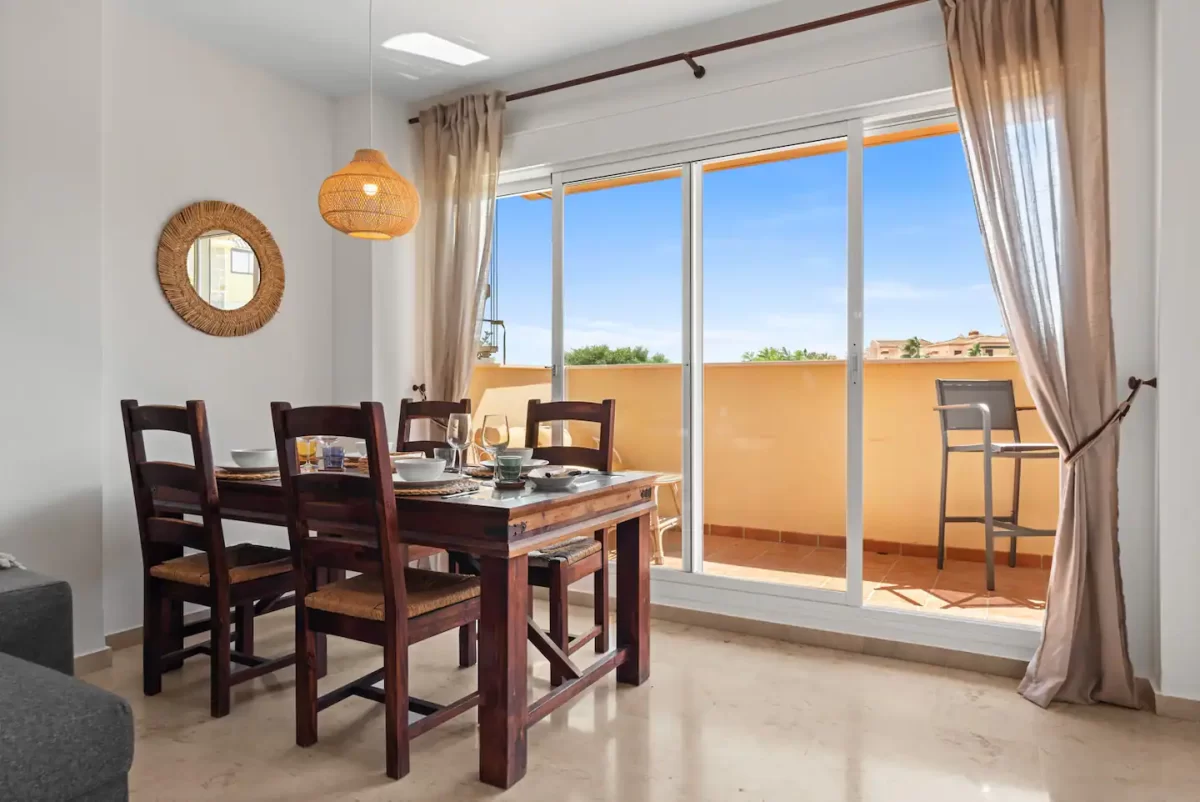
(896, 55)
(50, 296)
(1179, 388)
(183, 123)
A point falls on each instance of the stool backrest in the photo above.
(996, 393)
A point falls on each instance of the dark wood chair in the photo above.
(556, 568)
(250, 578)
(437, 411)
(387, 604)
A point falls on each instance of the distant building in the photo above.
(960, 347)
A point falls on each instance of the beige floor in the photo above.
(904, 583)
(724, 718)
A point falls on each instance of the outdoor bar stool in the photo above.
(986, 406)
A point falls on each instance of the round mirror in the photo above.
(220, 268)
(223, 269)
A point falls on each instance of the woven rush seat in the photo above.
(247, 562)
(569, 551)
(362, 596)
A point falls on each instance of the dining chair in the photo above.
(247, 577)
(386, 604)
(557, 567)
(986, 406)
(436, 411)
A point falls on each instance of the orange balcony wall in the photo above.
(775, 442)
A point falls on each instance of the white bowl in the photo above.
(419, 469)
(544, 482)
(255, 457)
(525, 453)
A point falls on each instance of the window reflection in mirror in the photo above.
(223, 269)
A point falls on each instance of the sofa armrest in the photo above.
(35, 619)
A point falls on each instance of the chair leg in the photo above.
(468, 644)
(989, 528)
(600, 592)
(656, 531)
(1016, 508)
(244, 628)
(156, 613)
(395, 686)
(558, 616)
(220, 666)
(941, 555)
(306, 679)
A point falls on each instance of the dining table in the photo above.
(501, 528)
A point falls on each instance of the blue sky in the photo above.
(774, 258)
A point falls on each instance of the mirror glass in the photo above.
(223, 269)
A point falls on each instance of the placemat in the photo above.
(461, 486)
(479, 472)
(246, 477)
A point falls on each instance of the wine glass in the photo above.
(494, 435)
(458, 435)
(306, 453)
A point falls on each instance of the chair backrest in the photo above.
(996, 393)
(603, 413)
(437, 411)
(354, 514)
(163, 537)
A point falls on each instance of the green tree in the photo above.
(912, 348)
(773, 354)
(603, 355)
(975, 350)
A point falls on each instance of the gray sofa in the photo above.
(60, 738)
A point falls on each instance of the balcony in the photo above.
(775, 468)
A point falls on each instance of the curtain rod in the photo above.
(690, 56)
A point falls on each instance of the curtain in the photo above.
(461, 163)
(1028, 80)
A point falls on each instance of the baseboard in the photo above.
(93, 661)
(1177, 707)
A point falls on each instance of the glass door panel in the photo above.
(622, 325)
(775, 370)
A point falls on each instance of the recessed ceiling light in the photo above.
(435, 47)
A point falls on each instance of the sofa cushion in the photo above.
(35, 619)
(60, 738)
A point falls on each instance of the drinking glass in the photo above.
(306, 453)
(326, 440)
(446, 454)
(458, 435)
(494, 435)
(508, 467)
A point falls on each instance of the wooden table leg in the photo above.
(633, 598)
(503, 667)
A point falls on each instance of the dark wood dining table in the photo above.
(502, 527)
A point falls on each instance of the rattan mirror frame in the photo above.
(177, 237)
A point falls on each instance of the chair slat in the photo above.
(426, 410)
(345, 553)
(572, 455)
(176, 532)
(161, 417)
(334, 421)
(334, 486)
(171, 474)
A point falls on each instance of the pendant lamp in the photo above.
(367, 199)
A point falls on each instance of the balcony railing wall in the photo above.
(775, 433)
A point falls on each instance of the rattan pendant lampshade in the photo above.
(367, 198)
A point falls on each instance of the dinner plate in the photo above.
(533, 463)
(446, 480)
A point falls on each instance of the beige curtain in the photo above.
(461, 162)
(1029, 83)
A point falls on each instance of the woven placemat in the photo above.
(461, 486)
(479, 472)
(246, 477)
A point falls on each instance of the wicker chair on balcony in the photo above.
(986, 406)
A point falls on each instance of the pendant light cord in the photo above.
(371, 73)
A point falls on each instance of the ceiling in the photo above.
(322, 43)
